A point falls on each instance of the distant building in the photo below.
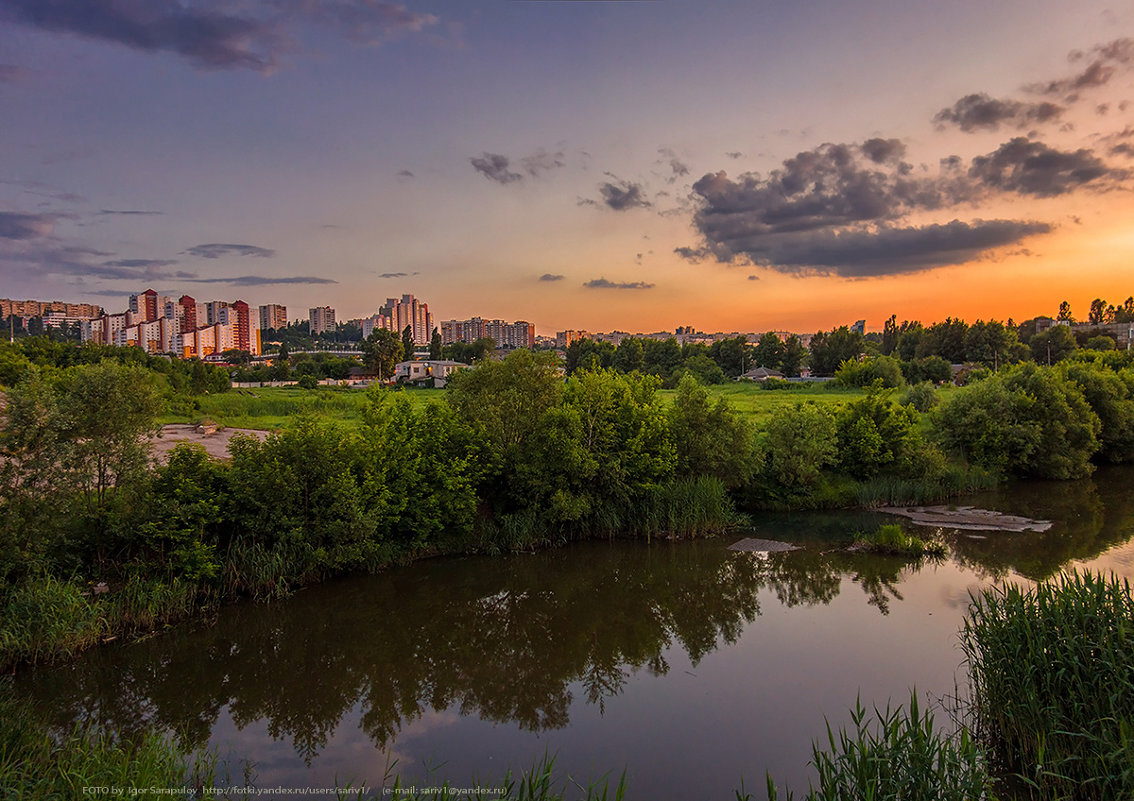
(274, 316)
(42, 308)
(158, 324)
(322, 319)
(859, 326)
(439, 371)
(761, 374)
(563, 339)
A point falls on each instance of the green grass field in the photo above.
(268, 408)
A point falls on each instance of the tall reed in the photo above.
(1052, 672)
(895, 755)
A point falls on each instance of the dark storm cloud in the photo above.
(1033, 168)
(979, 111)
(10, 73)
(263, 280)
(884, 151)
(551, 277)
(217, 250)
(16, 225)
(623, 195)
(495, 167)
(498, 167)
(890, 250)
(1102, 63)
(843, 209)
(229, 34)
(816, 189)
(602, 283)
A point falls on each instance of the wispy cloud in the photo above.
(10, 73)
(130, 212)
(552, 277)
(602, 283)
(499, 168)
(19, 225)
(217, 250)
(224, 34)
(623, 195)
(263, 280)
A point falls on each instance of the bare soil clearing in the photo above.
(215, 441)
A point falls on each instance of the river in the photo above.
(685, 664)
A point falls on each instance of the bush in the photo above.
(922, 397)
(800, 442)
(1027, 421)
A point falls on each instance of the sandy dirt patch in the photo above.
(214, 442)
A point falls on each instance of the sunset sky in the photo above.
(599, 165)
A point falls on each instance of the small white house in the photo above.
(425, 369)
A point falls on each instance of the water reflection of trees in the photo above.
(510, 640)
(1089, 516)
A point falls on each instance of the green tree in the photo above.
(710, 438)
(1026, 421)
(1065, 313)
(629, 355)
(800, 442)
(589, 354)
(829, 350)
(435, 345)
(703, 369)
(890, 334)
(1053, 345)
(794, 354)
(734, 355)
(407, 343)
(381, 351)
(506, 399)
(769, 352)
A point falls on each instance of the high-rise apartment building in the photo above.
(321, 319)
(408, 310)
(273, 315)
(520, 334)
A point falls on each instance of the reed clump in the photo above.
(1052, 672)
(38, 765)
(891, 540)
(895, 755)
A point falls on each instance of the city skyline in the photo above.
(577, 165)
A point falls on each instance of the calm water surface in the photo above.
(687, 665)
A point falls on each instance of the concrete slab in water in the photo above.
(965, 517)
(762, 546)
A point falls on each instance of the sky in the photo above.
(604, 165)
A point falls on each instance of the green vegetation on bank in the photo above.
(510, 457)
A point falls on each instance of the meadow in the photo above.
(268, 408)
